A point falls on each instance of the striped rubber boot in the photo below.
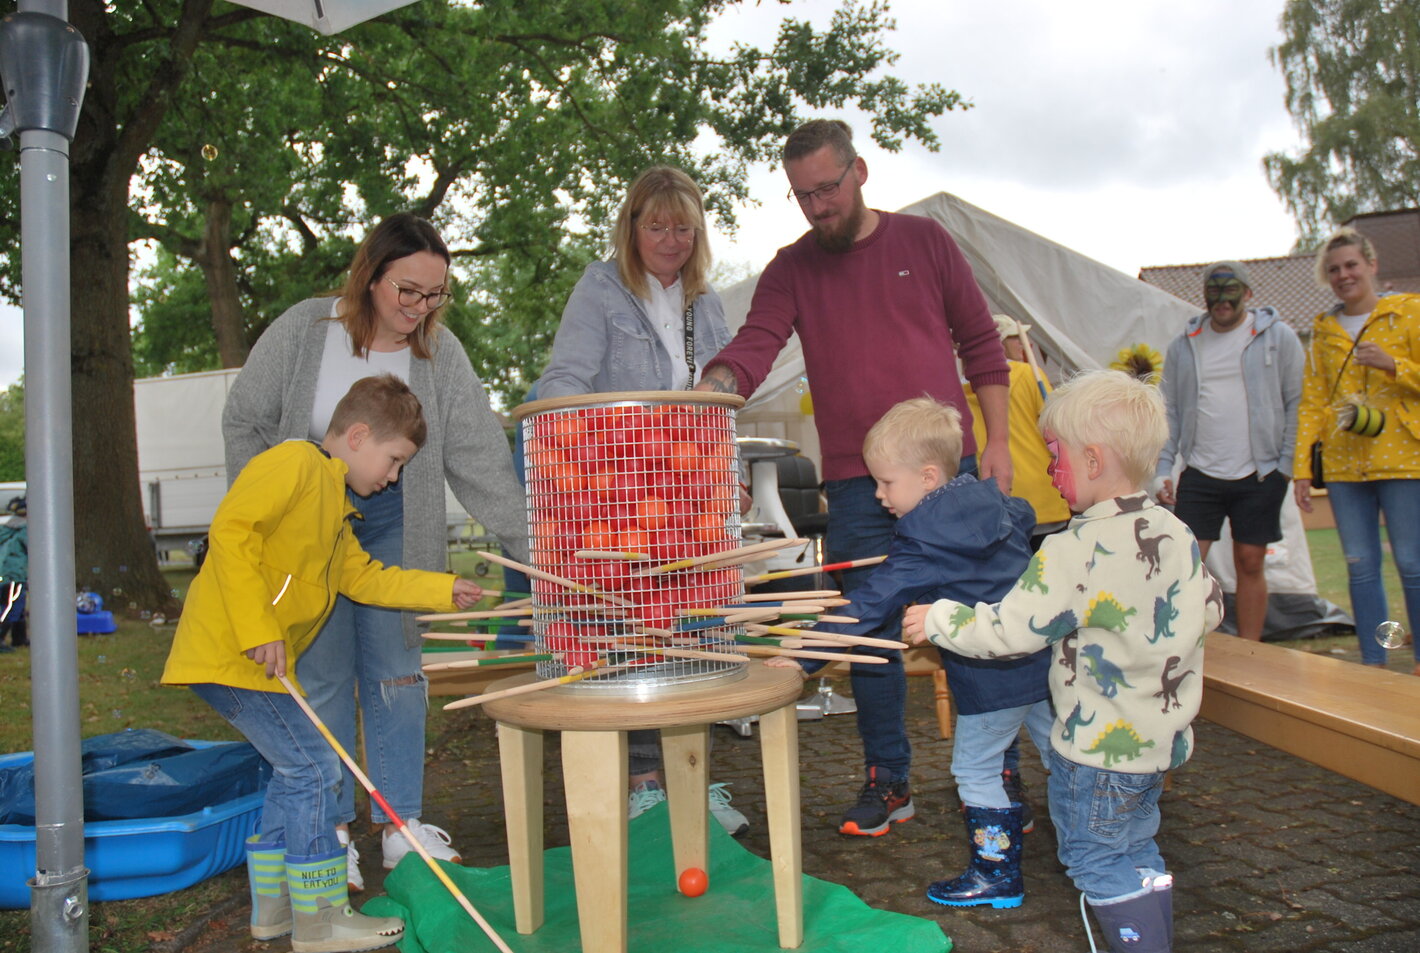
(324, 919)
(270, 900)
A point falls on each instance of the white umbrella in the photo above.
(325, 16)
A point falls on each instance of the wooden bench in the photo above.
(1361, 722)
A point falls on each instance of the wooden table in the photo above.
(594, 726)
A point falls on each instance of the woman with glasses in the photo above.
(648, 318)
(384, 320)
(645, 320)
(1359, 399)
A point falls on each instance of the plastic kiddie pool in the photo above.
(139, 857)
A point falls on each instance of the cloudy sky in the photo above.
(1132, 132)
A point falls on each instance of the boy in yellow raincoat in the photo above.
(281, 549)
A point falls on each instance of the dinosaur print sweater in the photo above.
(1124, 599)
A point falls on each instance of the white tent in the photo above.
(1082, 313)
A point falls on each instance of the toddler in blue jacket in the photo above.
(955, 537)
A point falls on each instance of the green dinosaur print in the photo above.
(1057, 628)
(1165, 614)
(1034, 576)
(1105, 612)
(1075, 721)
(962, 616)
(1180, 750)
(1118, 742)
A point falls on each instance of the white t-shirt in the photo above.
(1352, 323)
(666, 309)
(339, 368)
(1221, 448)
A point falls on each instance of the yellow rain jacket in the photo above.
(1394, 453)
(281, 548)
(1030, 479)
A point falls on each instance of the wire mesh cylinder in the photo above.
(630, 498)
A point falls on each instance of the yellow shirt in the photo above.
(1394, 453)
(1029, 458)
(281, 548)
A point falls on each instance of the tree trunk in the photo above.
(214, 257)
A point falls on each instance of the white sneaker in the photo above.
(435, 840)
(356, 880)
(730, 819)
(645, 796)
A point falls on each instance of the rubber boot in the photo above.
(1141, 924)
(270, 897)
(994, 874)
(320, 904)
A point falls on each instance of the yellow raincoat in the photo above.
(281, 548)
(1394, 453)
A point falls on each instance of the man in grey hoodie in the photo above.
(1231, 382)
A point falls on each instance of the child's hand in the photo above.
(272, 655)
(780, 661)
(466, 593)
(914, 624)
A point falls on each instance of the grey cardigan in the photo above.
(606, 342)
(271, 399)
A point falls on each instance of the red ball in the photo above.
(693, 881)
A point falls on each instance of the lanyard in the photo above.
(690, 344)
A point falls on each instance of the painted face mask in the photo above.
(1062, 477)
(1223, 287)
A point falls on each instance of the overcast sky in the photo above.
(1132, 132)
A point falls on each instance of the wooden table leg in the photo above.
(594, 775)
(520, 758)
(684, 751)
(779, 743)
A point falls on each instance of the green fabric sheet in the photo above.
(736, 913)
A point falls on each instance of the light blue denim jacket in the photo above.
(606, 342)
(1272, 375)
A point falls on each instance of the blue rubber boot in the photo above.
(993, 877)
(270, 898)
(1141, 924)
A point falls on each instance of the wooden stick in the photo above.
(668, 652)
(862, 640)
(810, 570)
(393, 816)
(474, 614)
(813, 607)
(1035, 373)
(814, 594)
(728, 557)
(575, 676)
(473, 636)
(556, 580)
(606, 554)
(766, 650)
(529, 659)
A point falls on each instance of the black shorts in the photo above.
(1253, 507)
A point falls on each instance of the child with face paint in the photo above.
(1124, 600)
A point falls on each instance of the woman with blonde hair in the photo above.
(385, 319)
(645, 320)
(1361, 400)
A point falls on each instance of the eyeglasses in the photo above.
(824, 192)
(681, 233)
(410, 297)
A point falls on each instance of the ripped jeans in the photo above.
(361, 651)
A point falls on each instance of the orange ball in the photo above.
(693, 881)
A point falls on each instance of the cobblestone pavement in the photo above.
(1270, 852)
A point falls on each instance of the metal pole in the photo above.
(45, 63)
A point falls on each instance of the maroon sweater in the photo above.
(879, 324)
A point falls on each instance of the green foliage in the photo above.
(1353, 88)
(12, 433)
(515, 127)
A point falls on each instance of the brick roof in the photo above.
(1287, 284)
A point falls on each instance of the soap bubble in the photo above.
(103, 659)
(128, 673)
(159, 619)
(118, 713)
(145, 614)
(176, 594)
(132, 605)
(1391, 635)
(209, 152)
(117, 592)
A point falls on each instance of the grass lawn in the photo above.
(118, 688)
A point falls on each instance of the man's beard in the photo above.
(843, 239)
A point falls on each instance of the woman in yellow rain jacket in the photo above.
(1363, 373)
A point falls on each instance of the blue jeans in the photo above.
(361, 651)
(1105, 822)
(979, 748)
(300, 806)
(858, 527)
(1357, 507)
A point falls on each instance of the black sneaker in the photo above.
(1016, 791)
(884, 801)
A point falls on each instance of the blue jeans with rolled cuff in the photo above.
(1105, 824)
